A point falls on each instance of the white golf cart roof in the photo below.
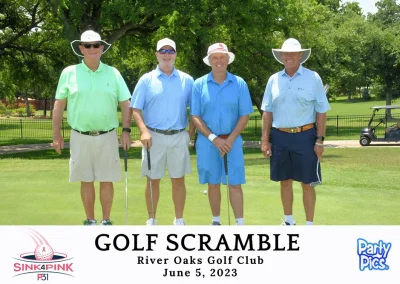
(386, 107)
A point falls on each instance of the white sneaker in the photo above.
(151, 222)
(179, 222)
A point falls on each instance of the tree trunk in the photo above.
(28, 109)
(389, 99)
(45, 107)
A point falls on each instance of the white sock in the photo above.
(179, 219)
(216, 219)
(239, 221)
(289, 219)
(309, 223)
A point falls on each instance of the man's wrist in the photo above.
(126, 129)
(211, 137)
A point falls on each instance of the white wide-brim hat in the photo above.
(218, 48)
(88, 36)
(291, 45)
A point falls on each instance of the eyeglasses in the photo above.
(164, 51)
(89, 45)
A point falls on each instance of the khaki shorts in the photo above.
(94, 158)
(168, 151)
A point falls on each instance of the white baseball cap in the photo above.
(218, 48)
(164, 42)
(291, 45)
(88, 36)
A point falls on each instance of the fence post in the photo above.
(20, 122)
(255, 127)
(337, 125)
(62, 126)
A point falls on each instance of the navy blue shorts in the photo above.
(293, 157)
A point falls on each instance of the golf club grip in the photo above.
(226, 163)
(148, 159)
(126, 160)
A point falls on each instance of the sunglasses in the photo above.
(164, 51)
(89, 45)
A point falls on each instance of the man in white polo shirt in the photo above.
(159, 106)
(93, 91)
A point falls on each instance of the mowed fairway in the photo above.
(361, 186)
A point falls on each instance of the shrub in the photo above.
(3, 110)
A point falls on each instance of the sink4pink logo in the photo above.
(43, 261)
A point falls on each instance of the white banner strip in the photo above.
(200, 254)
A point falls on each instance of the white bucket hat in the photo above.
(218, 48)
(164, 42)
(291, 45)
(88, 36)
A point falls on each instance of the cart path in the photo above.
(248, 144)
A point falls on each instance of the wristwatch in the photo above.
(126, 129)
(322, 138)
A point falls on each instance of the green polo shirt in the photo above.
(92, 97)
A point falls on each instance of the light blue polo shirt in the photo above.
(163, 99)
(294, 101)
(220, 106)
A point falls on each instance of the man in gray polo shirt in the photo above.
(93, 91)
(163, 96)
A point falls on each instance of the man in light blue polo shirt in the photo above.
(159, 106)
(93, 91)
(295, 106)
(220, 110)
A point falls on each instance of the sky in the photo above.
(368, 6)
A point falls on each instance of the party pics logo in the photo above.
(373, 256)
(43, 261)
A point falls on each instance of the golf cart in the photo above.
(389, 123)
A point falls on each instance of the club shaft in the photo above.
(227, 186)
(126, 185)
(150, 182)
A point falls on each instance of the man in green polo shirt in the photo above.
(93, 91)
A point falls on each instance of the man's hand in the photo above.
(126, 140)
(58, 143)
(145, 138)
(319, 150)
(223, 145)
(266, 148)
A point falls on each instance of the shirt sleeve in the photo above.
(190, 89)
(123, 91)
(266, 104)
(245, 104)
(139, 94)
(62, 88)
(321, 102)
(195, 104)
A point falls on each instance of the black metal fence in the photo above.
(337, 126)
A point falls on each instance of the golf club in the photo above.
(151, 186)
(126, 185)
(227, 185)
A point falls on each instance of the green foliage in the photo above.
(349, 50)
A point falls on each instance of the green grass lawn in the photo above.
(360, 187)
(356, 107)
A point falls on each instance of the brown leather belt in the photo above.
(93, 133)
(223, 136)
(297, 129)
(165, 132)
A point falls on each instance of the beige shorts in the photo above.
(168, 151)
(94, 158)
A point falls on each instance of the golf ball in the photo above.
(44, 252)
(205, 192)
